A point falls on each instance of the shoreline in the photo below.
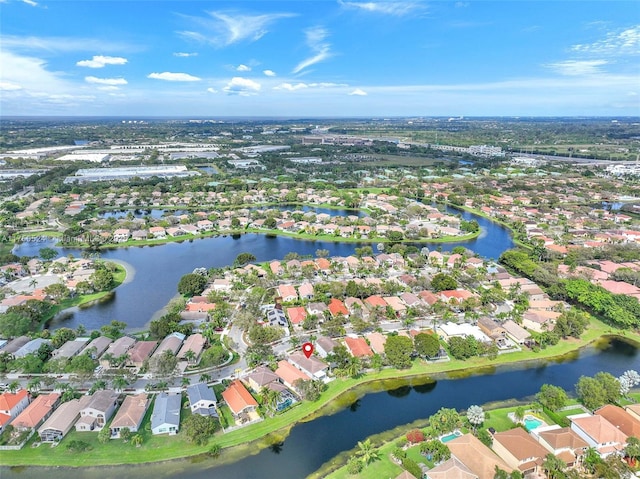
(129, 273)
(236, 445)
(297, 236)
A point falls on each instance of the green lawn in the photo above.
(381, 469)
(570, 412)
(499, 420)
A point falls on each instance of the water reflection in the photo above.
(400, 392)
(425, 388)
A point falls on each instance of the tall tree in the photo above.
(475, 416)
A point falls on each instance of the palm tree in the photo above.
(119, 383)
(13, 387)
(190, 356)
(33, 283)
(367, 453)
(271, 397)
(354, 367)
(554, 466)
(519, 413)
(108, 357)
(475, 416)
(34, 385)
(205, 378)
(162, 386)
(185, 381)
(136, 440)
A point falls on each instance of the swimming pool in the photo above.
(450, 437)
(531, 422)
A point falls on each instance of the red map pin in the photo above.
(307, 349)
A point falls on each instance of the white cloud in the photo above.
(212, 90)
(269, 73)
(100, 61)
(223, 29)
(30, 88)
(108, 88)
(397, 9)
(577, 67)
(242, 86)
(291, 87)
(304, 86)
(358, 92)
(30, 2)
(243, 68)
(185, 54)
(105, 81)
(64, 44)
(316, 41)
(8, 86)
(625, 42)
(169, 76)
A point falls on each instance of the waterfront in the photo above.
(313, 443)
(159, 268)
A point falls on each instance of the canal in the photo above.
(313, 443)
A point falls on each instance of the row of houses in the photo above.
(125, 350)
(53, 420)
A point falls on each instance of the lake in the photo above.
(159, 268)
(313, 443)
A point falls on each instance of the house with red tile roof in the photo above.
(450, 469)
(323, 264)
(337, 307)
(375, 301)
(289, 374)
(457, 295)
(598, 433)
(12, 404)
(200, 307)
(297, 314)
(287, 292)
(130, 414)
(562, 442)
(357, 347)
(428, 297)
(305, 291)
(481, 460)
(311, 366)
(239, 399)
(276, 268)
(377, 341)
(396, 304)
(140, 352)
(621, 419)
(36, 412)
(620, 287)
(195, 343)
(519, 450)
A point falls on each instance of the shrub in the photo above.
(410, 466)
(79, 446)
(415, 436)
(354, 466)
(401, 442)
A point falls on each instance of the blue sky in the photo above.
(319, 58)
